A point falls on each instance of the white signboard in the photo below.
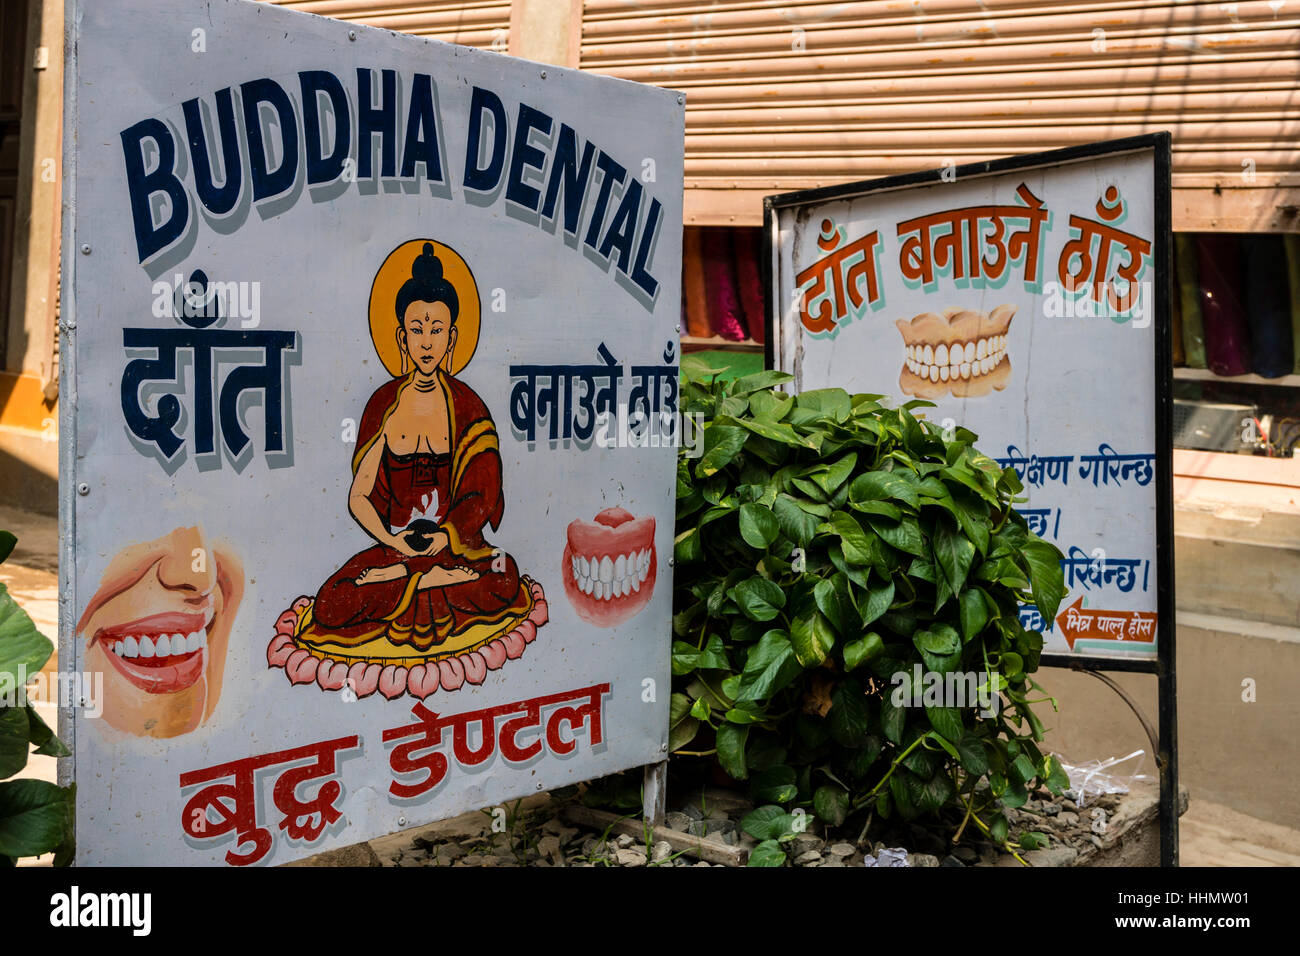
(371, 400)
(1023, 300)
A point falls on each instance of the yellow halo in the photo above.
(383, 296)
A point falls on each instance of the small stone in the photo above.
(623, 841)
(1068, 819)
(951, 861)
(966, 854)
(677, 821)
(661, 851)
(804, 842)
(630, 857)
(589, 846)
(804, 859)
(1056, 856)
(697, 828)
(842, 849)
(701, 863)
(833, 861)
(729, 838)
(1095, 840)
(922, 859)
(693, 812)
(1070, 805)
(1051, 809)
(549, 847)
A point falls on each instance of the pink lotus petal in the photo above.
(304, 670)
(475, 667)
(494, 653)
(540, 613)
(392, 681)
(331, 677)
(418, 682)
(286, 623)
(364, 678)
(528, 631)
(451, 674)
(514, 643)
(278, 651)
(301, 603)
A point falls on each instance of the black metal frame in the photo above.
(1163, 666)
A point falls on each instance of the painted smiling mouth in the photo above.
(610, 566)
(162, 653)
(959, 351)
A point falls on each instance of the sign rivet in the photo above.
(663, 748)
(83, 489)
(543, 74)
(401, 821)
(85, 248)
(681, 100)
(352, 34)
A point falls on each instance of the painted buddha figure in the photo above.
(427, 485)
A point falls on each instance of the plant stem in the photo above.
(892, 767)
(697, 753)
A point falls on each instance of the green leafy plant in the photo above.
(828, 549)
(35, 815)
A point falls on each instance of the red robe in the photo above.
(467, 483)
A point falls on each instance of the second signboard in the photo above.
(1026, 300)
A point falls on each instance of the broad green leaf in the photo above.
(758, 598)
(768, 822)
(812, 638)
(795, 523)
(1054, 775)
(731, 749)
(760, 380)
(971, 753)
(998, 829)
(771, 665)
(23, 649)
(862, 650)
(775, 785)
(1032, 840)
(7, 542)
(883, 486)
(688, 547)
(758, 526)
(904, 535)
(1046, 575)
(682, 733)
(15, 740)
(767, 853)
(700, 709)
(940, 639)
(892, 718)
(974, 613)
(850, 714)
(679, 708)
(43, 739)
(831, 804)
(854, 541)
(936, 792)
(879, 598)
(947, 721)
(35, 817)
(834, 601)
(953, 552)
(1022, 769)
(770, 406)
(687, 657)
(721, 444)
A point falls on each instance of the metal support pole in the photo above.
(654, 792)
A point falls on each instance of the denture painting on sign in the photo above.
(372, 403)
(1021, 305)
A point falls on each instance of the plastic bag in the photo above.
(887, 857)
(1091, 779)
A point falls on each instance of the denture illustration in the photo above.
(609, 566)
(957, 351)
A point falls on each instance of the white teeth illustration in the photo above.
(194, 642)
(130, 647)
(146, 646)
(941, 355)
(117, 648)
(608, 577)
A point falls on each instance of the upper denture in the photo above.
(611, 557)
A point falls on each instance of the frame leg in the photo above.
(654, 792)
